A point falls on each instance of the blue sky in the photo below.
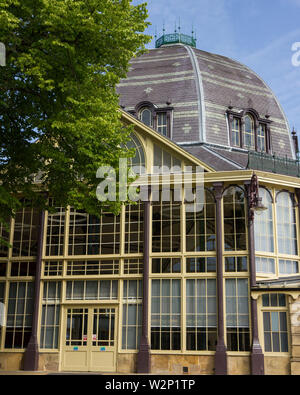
(258, 33)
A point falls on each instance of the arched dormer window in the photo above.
(248, 133)
(247, 130)
(157, 118)
(145, 116)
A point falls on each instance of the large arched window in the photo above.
(201, 226)
(138, 161)
(286, 224)
(234, 219)
(264, 236)
(248, 133)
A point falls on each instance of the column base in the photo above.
(31, 355)
(221, 361)
(257, 362)
(143, 364)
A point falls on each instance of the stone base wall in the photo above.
(238, 365)
(49, 362)
(126, 363)
(277, 365)
(167, 364)
(173, 364)
(11, 361)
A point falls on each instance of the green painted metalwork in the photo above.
(175, 38)
(273, 164)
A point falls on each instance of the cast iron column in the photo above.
(221, 351)
(31, 355)
(257, 356)
(143, 357)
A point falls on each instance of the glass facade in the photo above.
(99, 261)
(276, 245)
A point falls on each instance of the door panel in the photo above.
(89, 339)
(103, 345)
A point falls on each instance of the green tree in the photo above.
(59, 113)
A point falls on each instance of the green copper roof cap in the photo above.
(175, 38)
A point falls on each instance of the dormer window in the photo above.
(235, 132)
(261, 138)
(146, 116)
(157, 118)
(162, 124)
(249, 131)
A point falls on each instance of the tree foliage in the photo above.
(59, 113)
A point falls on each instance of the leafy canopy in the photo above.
(59, 113)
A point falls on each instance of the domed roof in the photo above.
(200, 87)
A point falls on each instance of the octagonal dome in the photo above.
(200, 88)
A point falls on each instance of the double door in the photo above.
(89, 342)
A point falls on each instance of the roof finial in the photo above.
(175, 27)
(155, 35)
(179, 26)
(192, 31)
(164, 28)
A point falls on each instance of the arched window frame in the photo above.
(239, 119)
(293, 204)
(231, 251)
(208, 195)
(282, 263)
(140, 151)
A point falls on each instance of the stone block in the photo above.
(126, 363)
(238, 365)
(295, 368)
(49, 362)
(296, 351)
(173, 364)
(275, 365)
(11, 361)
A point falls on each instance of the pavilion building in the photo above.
(169, 286)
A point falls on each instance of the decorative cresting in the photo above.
(254, 201)
(274, 164)
(175, 38)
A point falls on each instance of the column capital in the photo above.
(218, 190)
